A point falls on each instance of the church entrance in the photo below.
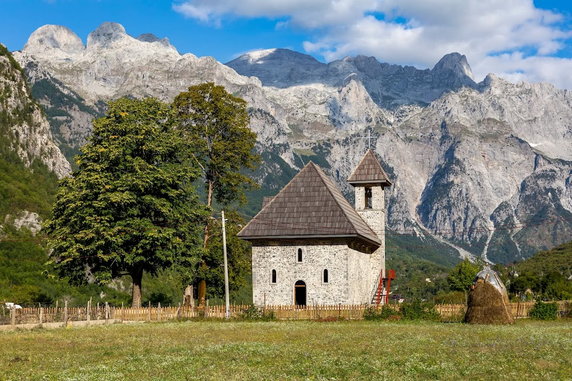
(300, 293)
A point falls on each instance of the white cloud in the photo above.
(509, 37)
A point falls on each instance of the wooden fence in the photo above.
(105, 313)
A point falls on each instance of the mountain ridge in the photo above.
(471, 163)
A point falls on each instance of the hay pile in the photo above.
(488, 300)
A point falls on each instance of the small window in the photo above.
(368, 197)
(326, 276)
(299, 255)
(273, 276)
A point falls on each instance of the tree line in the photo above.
(134, 204)
(523, 282)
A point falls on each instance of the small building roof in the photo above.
(369, 171)
(309, 206)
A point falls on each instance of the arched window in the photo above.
(367, 198)
(326, 277)
(273, 276)
(299, 255)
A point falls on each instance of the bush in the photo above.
(256, 313)
(384, 313)
(157, 297)
(544, 311)
(418, 310)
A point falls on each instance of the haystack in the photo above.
(488, 300)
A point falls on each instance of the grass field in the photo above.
(290, 350)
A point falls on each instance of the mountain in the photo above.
(389, 86)
(30, 165)
(30, 162)
(479, 169)
(25, 129)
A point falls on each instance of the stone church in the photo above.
(310, 246)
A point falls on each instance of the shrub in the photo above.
(255, 313)
(157, 297)
(418, 310)
(544, 311)
(384, 313)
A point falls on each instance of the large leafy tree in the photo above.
(216, 126)
(130, 208)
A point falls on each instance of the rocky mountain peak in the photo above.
(279, 67)
(48, 38)
(106, 34)
(278, 54)
(150, 37)
(456, 63)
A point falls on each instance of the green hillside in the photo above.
(556, 260)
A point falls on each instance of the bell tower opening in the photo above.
(368, 198)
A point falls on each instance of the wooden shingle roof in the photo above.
(369, 171)
(309, 206)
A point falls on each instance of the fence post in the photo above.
(65, 313)
(88, 311)
(149, 314)
(106, 313)
(13, 316)
(41, 316)
(159, 311)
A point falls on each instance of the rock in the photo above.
(25, 219)
(105, 35)
(54, 41)
(24, 122)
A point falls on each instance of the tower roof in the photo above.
(369, 171)
(309, 206)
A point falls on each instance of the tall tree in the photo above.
(216, 125)
(130, 208)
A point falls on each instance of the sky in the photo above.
(516, 39)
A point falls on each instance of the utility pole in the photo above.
(226, 296)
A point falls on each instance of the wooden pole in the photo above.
(13, 316)
(88, 311)
(41, 316)
(65, 313)
(226, 291)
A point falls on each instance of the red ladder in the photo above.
(377, 297)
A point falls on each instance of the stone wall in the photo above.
(316, 256)
(359, 275)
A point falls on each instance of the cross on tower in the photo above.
(369, 138)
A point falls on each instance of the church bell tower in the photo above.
(369, 180)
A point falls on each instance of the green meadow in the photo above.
(280, 350)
